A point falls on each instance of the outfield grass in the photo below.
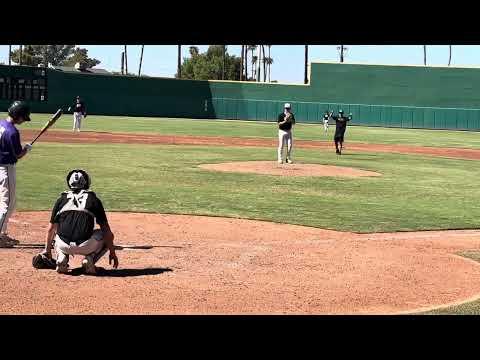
(437, 138)
(414, 193)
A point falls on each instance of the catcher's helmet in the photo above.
(19, 109)
(78, 179)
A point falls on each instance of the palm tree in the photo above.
(125, 55)
(246, 62)
(269, 62)
(252, 49)
(425, 55)
(9, 54)
(21, 54)
(306, 65)
(241, 62)
(254, 69)
(264, 65)
(224, 61)
(449, 54)
(141, 60)
(179, 62)
(193, 50)
(259, 57)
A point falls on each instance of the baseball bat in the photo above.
(50, 122)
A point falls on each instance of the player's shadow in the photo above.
(359, 154)
(123, 272)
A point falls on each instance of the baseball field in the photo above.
(389, 227)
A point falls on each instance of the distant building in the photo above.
(78, 68)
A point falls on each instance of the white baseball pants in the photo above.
(325, 126)
(8, 179)
(93, 246)
(77, 121)
(284, 137)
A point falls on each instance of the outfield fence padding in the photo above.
(376, 95)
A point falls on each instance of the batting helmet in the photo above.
(78, 179)
(340, 111)
(19, 109)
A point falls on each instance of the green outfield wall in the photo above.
(376, 95)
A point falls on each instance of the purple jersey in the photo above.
(10, 146)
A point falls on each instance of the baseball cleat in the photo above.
(338, 152)
(62, 268)
(7, 242)
(88, 265)
(280, 162)
(289, 161)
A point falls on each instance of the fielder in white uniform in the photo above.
(79, 113)
(11, 151)
(285, 121)
(326, 117)
(72, 226)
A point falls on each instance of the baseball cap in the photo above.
(287, 106)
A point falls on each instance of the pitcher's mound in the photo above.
(273, 168)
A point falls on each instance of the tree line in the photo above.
(56, 55)
(214, 64)
(217, 64)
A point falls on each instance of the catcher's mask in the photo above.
(78, 179)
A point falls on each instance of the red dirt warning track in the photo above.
(131, 138)
(222, 266)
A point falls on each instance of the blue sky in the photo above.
(161, 60)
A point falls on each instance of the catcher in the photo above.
(72, 231)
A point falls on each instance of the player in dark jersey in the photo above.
(72, 226)
(11, 151)
(79, 113)
(285, 121)
(341, 127)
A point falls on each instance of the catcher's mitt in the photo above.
(41, 261)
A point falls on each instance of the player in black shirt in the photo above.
(341, 127)
(285, 121)
(79, 113)
(72, 226)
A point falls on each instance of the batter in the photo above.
(11, 151)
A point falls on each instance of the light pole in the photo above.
(342, 49)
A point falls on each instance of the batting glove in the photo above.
(28, 147)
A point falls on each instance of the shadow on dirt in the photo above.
(123, 272)
(359, 154)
